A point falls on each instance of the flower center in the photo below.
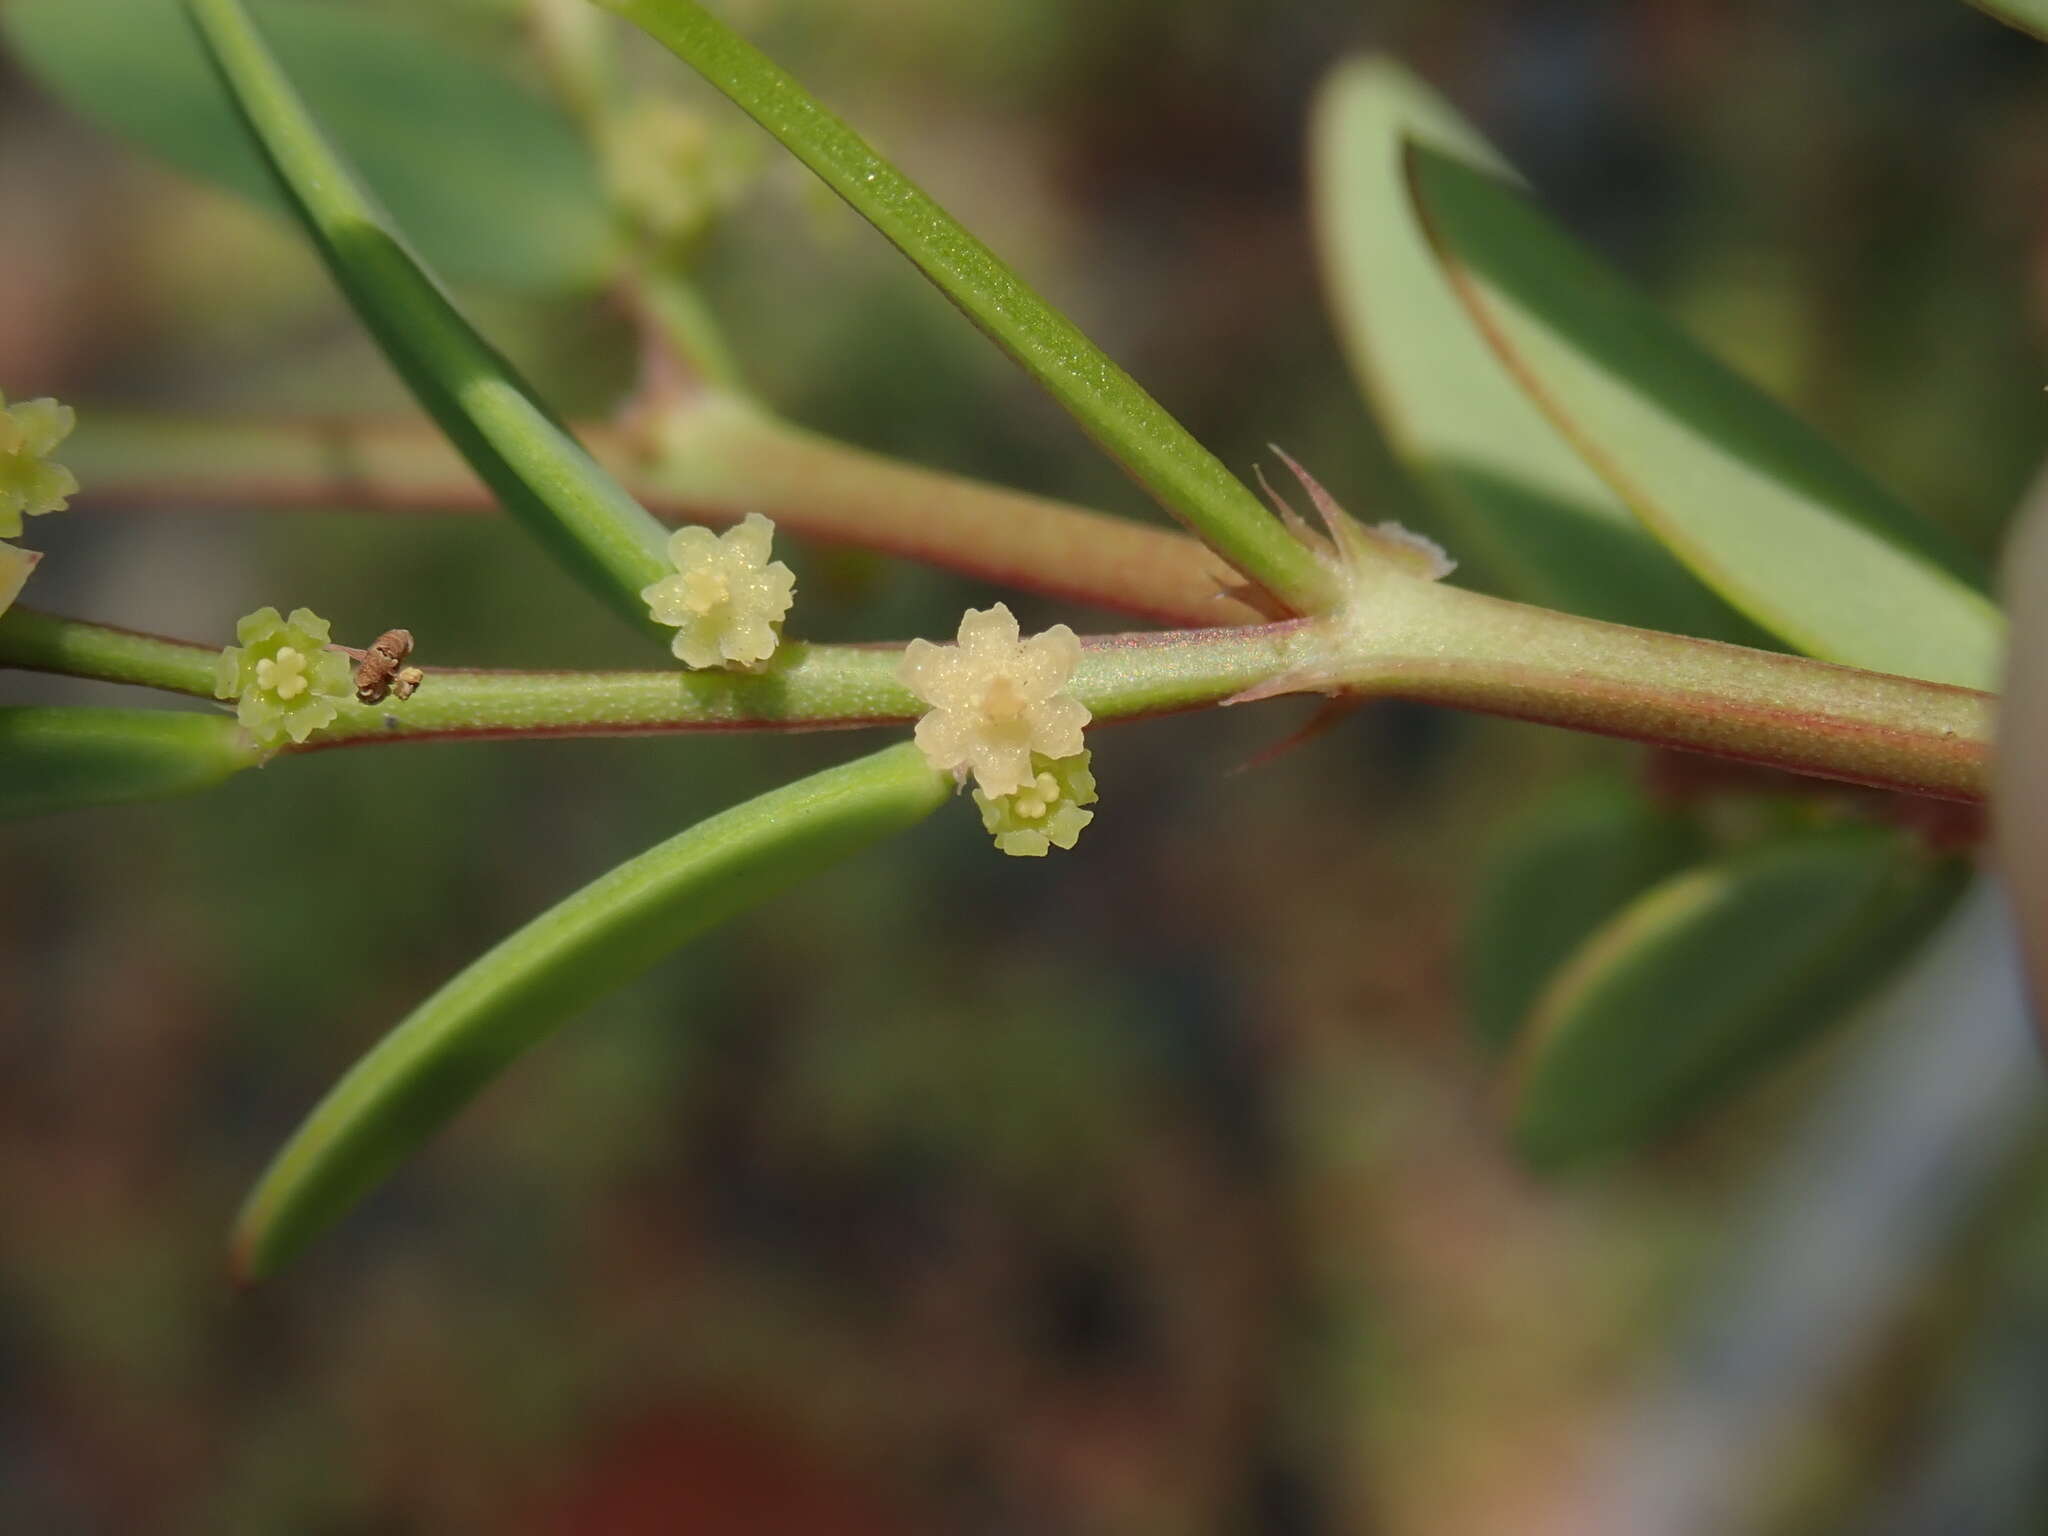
(1000, 700)
(1037, 797)
(704, 589)
(283, 674)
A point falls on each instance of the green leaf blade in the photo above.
(439, 1057)
(1558, 872)
(492, 181)
(529, 459)
(1159, 453)
(1520, 506)
(1758, 506)
(61, 759)
(1704, 982)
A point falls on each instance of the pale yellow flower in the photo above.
(1045, 813)
(996, 699)
(29, 484)
(727, 598)
(285, 683)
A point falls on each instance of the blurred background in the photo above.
(1156, 1188)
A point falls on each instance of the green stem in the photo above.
(34, 641)
(808, 687)
(713, 459)
(1185, 477)
(723, 457)
(683, 322)
(1403, 638)
(1447, 645)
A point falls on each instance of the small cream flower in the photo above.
(1046, 813)
(29, 484)
(284, 681)
(996, 699)
(727, 598)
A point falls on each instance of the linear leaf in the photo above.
(529, 459)
(1157, 450)
(455, 1042)
(60, 759)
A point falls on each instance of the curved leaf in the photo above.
(503, 1003)
(489, 179)
(61, 759)
(1159, 453)
(528, 458)
(1700, 985)
(1517, 499)
(1558, 872)
(1755, 503)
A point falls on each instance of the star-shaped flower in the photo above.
(996, 699)
(285, 681)
(1045, 813)
(727, 598)
(29, 484)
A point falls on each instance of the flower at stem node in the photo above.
(996, 699)
(727, 598)
(283, 679)
(30, 484)
(1045, 813)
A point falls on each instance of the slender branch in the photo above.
(1447, 645)
(808, 687)
(1402, 638)
(724, 457)
(34, 641)
(714, 459)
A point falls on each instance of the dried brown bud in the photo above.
(381, 667)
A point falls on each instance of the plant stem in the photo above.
(677, 314)
(808, 687)
(1405, 638)
(1447, 645)
(724, 457)
(714, 458)
(35, 641)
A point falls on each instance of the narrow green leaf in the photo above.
(491, 180)
(2027, 15)
(60, 759)
(1521, 509)
(614, 928)
(1756, 504)
(1558, 872)
(1709, 979)
(1159, 453)
(528, 458)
